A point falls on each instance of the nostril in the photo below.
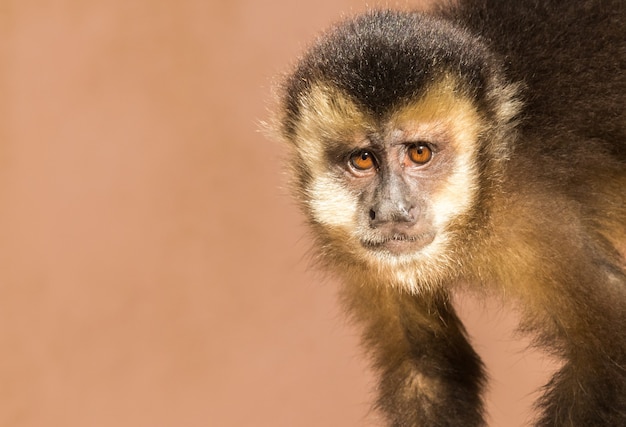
(410, 215)
(372, 214)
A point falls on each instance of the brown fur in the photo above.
(522, 197)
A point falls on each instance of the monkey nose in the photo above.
(399, 214)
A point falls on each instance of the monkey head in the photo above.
(398, 130)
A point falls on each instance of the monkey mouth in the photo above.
(398, 244)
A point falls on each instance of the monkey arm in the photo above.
(586, 326)
(571, 286)
(429, 373)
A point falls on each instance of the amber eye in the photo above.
(362, 160)
(419, 153)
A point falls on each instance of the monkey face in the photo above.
(387, 192)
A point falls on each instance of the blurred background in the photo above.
(153, 271)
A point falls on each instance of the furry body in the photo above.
(517, 113)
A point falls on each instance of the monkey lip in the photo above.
(399, 243)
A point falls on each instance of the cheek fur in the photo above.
(456, 194)
(332, 204)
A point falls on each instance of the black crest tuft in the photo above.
(383, 58)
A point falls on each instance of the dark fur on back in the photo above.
(571, 56)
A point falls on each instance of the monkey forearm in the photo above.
(591, 398)
(430, 393)
(590, 388)
(430, 375)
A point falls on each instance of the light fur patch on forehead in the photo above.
(327, 116)
(443, 111)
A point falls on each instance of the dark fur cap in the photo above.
(383, 58)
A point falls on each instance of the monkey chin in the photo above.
(414, 263)
(399, 244)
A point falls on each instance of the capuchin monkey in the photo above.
(483, 146)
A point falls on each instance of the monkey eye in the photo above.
(419, 153)
(362, 160)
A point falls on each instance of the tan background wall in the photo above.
(152, 270)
